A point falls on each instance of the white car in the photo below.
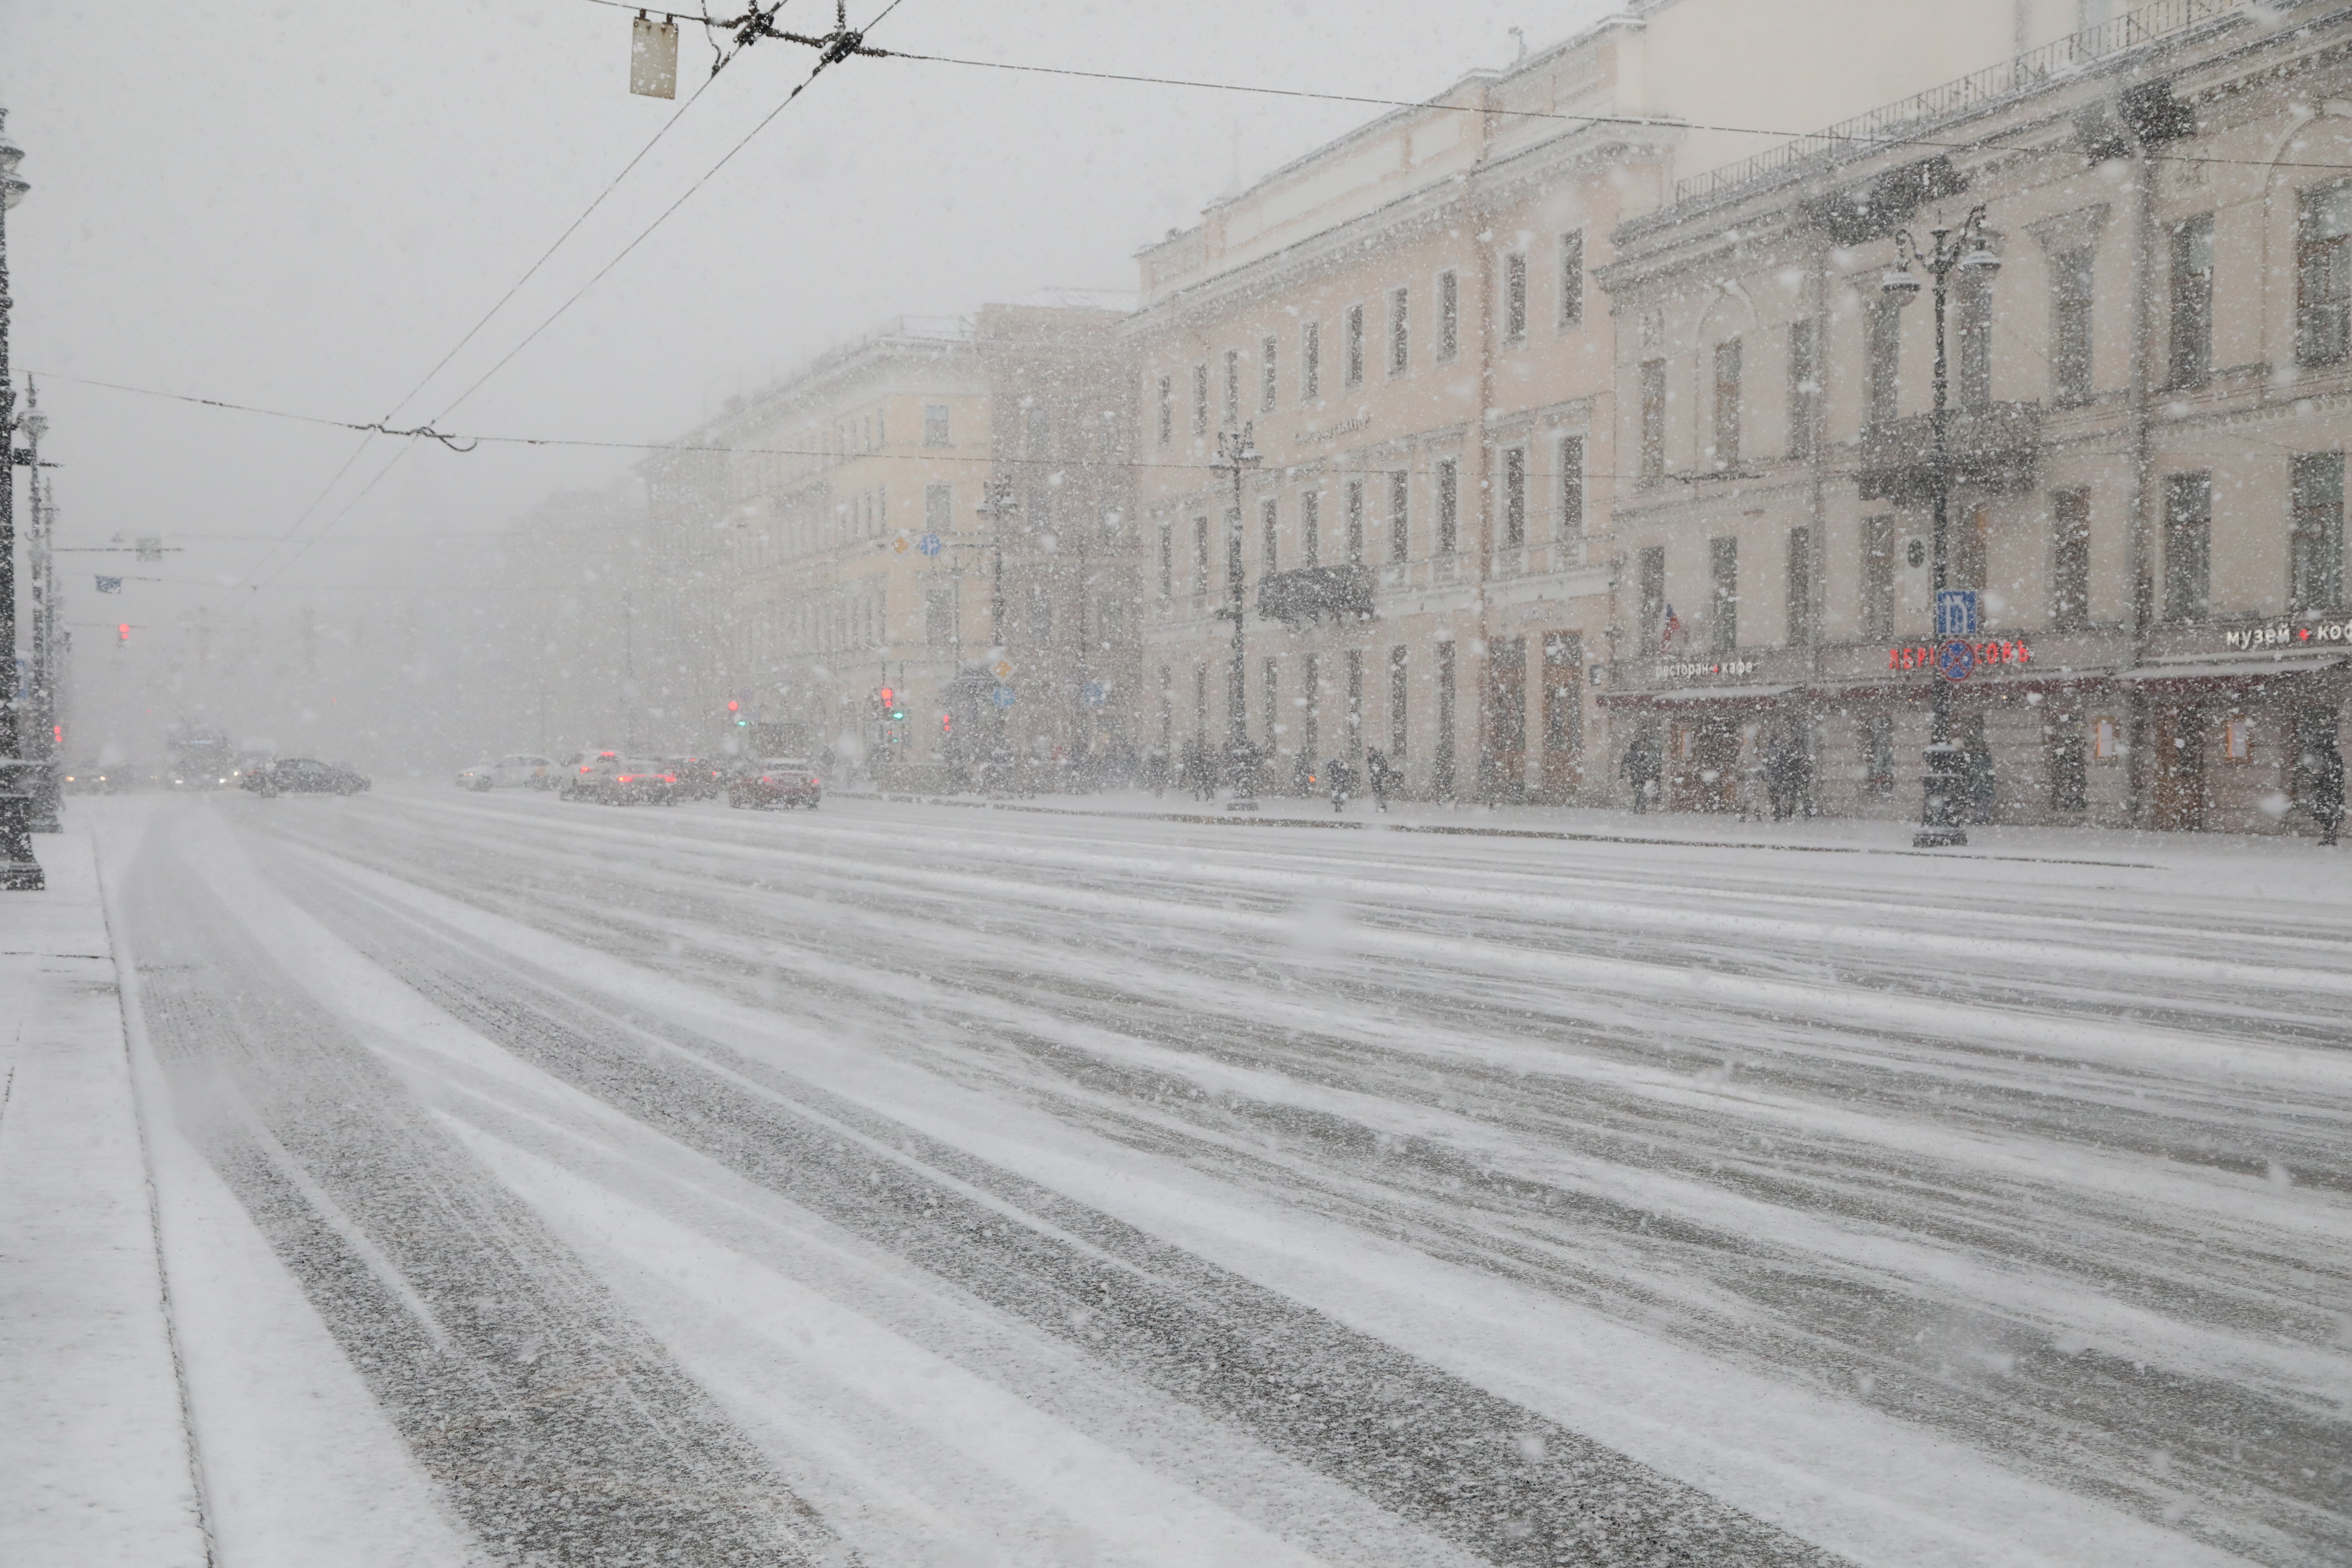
(520, 771)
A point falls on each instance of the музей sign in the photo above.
(2287, 634)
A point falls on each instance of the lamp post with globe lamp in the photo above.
(1950, 251)
(1237, 453)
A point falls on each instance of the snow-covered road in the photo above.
(909, 1183)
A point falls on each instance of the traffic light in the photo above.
(735, 710)
(123, 633)
(890, 708)
(947, 723)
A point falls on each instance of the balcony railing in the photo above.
(1896, 122)
(1996, 447)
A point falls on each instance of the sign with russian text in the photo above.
(1931, 656)
(2288, 635)
(1702, 669)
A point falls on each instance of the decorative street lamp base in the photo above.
(1939, 838)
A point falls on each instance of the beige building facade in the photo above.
(1405, 326)
(2148, 410)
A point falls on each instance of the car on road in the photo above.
(775, 781)
(303, 775)
(611, 779)
(520, 771)
(699, 778)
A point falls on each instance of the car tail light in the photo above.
(669, 778)
(584, 770)
(628, 778)
(814, 781)
(765, 779)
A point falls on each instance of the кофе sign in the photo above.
(1980, 654)
(2287, 634)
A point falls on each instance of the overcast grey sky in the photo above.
(305, 206)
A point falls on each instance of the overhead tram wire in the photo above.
(842, 44)
(471, 332)
(1635, 120)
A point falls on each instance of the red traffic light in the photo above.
(733, 705)
(888, 697)
(122, 632)
(947, 723)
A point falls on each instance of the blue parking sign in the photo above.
(928, 544)
(1956, 612)
(1004, 697)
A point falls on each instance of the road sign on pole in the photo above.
(1956, 612)
(1092, 693)
(929, 545)
(1956, 661)
(1003, 696)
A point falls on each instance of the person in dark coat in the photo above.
(1378, 776)
(2322, 773)
(1640, 767)
(1341, 778)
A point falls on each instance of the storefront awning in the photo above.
(1696, 696)
(2225, 671)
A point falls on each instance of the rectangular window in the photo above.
(1804, 388)
(2106, 740)
(1400, 332)
(1351, 346)
(2192, 302)
(2188, 546)
(1973, 305)
(1355, 521)
(1269, 387)
(1449, 505)
(1270, 696)
(2315, 534)
(1967, 543)
(935, 425)
(1563, 699)
(1399, 703)
(1310, 708)
(2069, 559)
(1200, 400)
(1167, 561)
(1723, 575)
(2322, 258)
(2070, 327)
(1441, 770)
(1878, 576)
(1651, 611)
(1515, 296)
(1506, 704)
(1884, 388)
(1570, 524)
(938, 509)
(1571, 277)
(1036, 431)
(1310, 528)
(2238, 739)
(1449, 315)
(1310, 362)
(1232, 386)
(1653, 420)
(1399, 516)
(1167, 409)
(1355, 714)
(1801, 587)
(1515, 497)
(1878, 750)
(1199, 557)
(1234, 551)
(1269, 534)
(1728, 368)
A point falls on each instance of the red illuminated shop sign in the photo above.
(1959, 660)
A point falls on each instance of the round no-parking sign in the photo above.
(1956, 660)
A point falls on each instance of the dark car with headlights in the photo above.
(775, 781)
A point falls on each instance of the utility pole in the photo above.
(19, 872)
(1237, 453)
(1949, 251)
(41, 745)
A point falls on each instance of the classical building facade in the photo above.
(2148, 400)
(1418, 541)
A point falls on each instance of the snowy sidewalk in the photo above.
(94, 1461)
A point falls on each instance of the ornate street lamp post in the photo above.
(1961, 250)
(1237, 453)
(19, 872)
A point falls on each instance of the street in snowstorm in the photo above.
(1016, 783)
(1077, 1186)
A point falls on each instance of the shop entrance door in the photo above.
(1507, 720)
(2179, 770)
(1563, 715)
(1703, 766)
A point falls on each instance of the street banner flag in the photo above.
(1673, 623)
(109, 584)
(653, 57)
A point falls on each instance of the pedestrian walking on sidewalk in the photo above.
(1342, 780)
(2322, 774)
(1640, 767)
(1377, 774)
